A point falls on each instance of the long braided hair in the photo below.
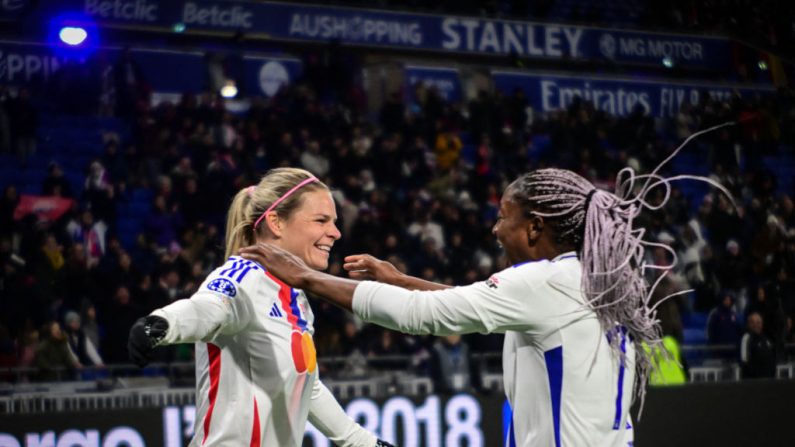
(600, 225)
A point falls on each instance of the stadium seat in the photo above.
(695, 336)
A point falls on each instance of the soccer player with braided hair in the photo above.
(574, 306)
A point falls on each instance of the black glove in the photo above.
(381, 443)
(145, 334)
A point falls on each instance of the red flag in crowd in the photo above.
(47, 208)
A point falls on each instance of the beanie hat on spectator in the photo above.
(666, 237)
(70, 317)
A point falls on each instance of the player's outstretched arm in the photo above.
(292, 270)
(368, 267)
(326, 414)
(185, 321)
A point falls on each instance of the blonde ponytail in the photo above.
(239, 232)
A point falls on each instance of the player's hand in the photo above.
(369, 267)
(144, 336)
(381, 443)
(284, 265)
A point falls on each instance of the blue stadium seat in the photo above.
(695, 336)
(468, 153)
(140, 209)
(11, 176)
(695, 320)
(540, 145)
(142, 195)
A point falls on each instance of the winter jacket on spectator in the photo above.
(757, 353)
(723, 325)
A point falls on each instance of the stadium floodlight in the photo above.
(229, 90)
(668, 62)
(762, 65)
(73, 35)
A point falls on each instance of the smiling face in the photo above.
(311, 231)
(511, 230)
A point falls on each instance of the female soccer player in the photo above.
(574, 306)
(255, 359)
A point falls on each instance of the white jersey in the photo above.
(563, 382)
(256, 370)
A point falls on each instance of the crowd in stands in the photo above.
(417, 183)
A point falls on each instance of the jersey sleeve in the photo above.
(326, 414)
(222, 305)
(506, 301)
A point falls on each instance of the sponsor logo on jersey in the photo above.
(493, 282)
(223, 286)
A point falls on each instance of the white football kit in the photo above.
(563, 382)
(256, 370)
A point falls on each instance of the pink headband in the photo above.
(282, 198)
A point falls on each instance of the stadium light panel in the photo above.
(73, 35)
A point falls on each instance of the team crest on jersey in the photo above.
(223, 286)
(493, 282)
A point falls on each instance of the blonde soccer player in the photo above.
(257, 375)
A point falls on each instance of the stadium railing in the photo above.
(164, 384)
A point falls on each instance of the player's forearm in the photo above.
(413, 312)
(414, 283)
(337, 291)
(326, 414)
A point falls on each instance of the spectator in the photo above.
(90, 326)
(123, 312)
(98, 192)
(80, 345)
(79, 279)
(766, 242)
(723, 325)
(28, 344)
(767, 303)
(129, 83)
(49, 267)
(757, 353)
(424, 228)
(349, 339)
(123, 273)
(447, 148)
(162, 224)
(191, 203)
(55, 184)
(166, 290)
(53, 354)
(314, 161)
(117, 168)
(451, 365)
(384, 344)
(733, 273)
(90, 233)
(23, 120)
